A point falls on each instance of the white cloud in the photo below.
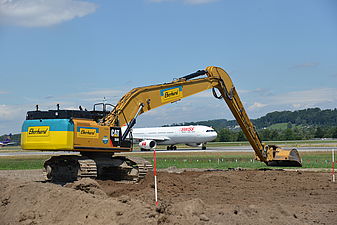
(42, 13)
(11, 112)
(256, 105)
(11, 118)
(192, 2)
(309, 98)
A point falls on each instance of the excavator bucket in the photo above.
(283, 157)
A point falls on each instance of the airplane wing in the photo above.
(11, 143)
(5, 144)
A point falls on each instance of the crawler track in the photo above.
(68, 168)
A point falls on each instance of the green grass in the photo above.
(21, 163)
(278, 126)
(317, 159)
(183, 160)
(10, 149)
(282, 126)
(220, 163)
(216, 160)
(225, 161)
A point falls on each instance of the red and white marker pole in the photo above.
(155, 176)
(333, 165)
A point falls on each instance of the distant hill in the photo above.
(310, 116)
(305, 117)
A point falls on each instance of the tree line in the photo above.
(310, 116)
(270, 134)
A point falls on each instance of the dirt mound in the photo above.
(87, 185)
(191, 197)
(44, 203)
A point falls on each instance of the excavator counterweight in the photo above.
(97, 135)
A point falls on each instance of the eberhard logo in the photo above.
(171, 94)
(87, 132)
(38, 131)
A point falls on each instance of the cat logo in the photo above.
(87, 132)
(42, 131)
(171, 94)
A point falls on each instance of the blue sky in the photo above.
(281, 55)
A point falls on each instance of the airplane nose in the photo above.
(212, 135)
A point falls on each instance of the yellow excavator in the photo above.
(97, 134)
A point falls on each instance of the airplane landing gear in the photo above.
(171, 147)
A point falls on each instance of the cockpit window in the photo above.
(210, 130)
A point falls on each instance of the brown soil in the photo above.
(191, 197)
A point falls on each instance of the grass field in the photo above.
(22, 162)
(214, 160)
(231, 160)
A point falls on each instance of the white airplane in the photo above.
(193, 136)
(7, 141)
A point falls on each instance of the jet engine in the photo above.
(194, 144)
(202, 145)
(147, 144)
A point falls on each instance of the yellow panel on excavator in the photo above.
(90, 136)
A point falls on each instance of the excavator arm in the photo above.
(142, 99)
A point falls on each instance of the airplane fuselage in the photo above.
(176, 135)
